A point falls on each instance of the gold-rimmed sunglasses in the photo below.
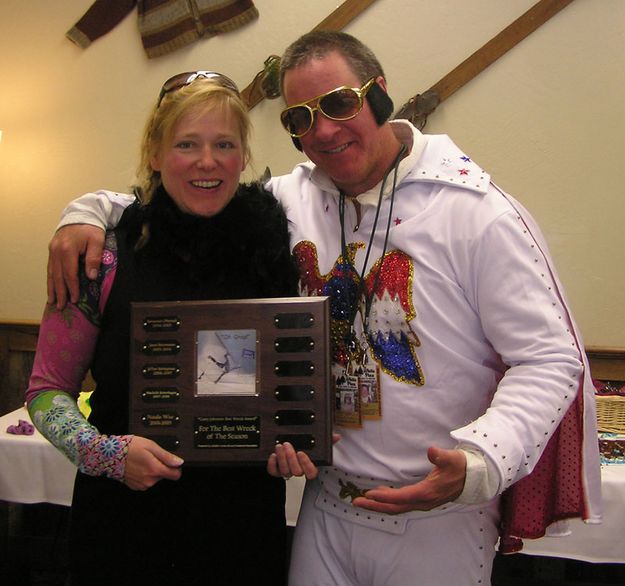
(182, 79)
(342, 103)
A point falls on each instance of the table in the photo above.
(32, 471)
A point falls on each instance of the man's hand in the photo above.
(66, 246)
(147, 463)
(443, 484)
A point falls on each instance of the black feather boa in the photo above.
(242, 252)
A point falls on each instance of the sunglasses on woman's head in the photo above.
(182, 79)
(342, 103)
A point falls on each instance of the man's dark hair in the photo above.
(318, 44)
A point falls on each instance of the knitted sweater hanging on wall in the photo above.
(164, 25)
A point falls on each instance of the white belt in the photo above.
(337, 490)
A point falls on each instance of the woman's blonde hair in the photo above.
(200, 96)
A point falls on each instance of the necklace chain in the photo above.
(362, 288)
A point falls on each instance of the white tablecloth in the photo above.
(603, 543)
(32, 470)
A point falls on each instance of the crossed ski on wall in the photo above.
(417, 109)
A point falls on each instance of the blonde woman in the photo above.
(138, 516)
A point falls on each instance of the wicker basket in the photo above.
(611, 413)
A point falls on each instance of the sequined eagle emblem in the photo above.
(388, 288)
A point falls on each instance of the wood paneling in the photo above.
(18, 343)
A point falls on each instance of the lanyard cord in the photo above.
(362, 290)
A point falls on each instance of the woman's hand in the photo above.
(286, 462)
(147, 463)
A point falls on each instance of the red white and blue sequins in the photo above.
(389, 335)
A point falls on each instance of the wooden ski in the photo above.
(420, 106)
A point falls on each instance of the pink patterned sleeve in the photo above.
(67, 337)
(65, 349)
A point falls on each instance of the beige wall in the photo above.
(547, 121)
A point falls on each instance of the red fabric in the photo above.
(554, 489)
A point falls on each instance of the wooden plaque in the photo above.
(221, 382)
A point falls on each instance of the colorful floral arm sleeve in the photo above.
(57, 417)
(65, 350)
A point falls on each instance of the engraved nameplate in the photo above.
(169, 323)
(160, 371)
(161, 348)
(160, 394)
(160, 419)
(226, 432)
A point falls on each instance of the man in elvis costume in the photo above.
(479, 424)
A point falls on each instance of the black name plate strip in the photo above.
(300, 441)
(295, 392)
(291, 321)
(295, 417)
(294, 368)
(295, 344)
(168, 442)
